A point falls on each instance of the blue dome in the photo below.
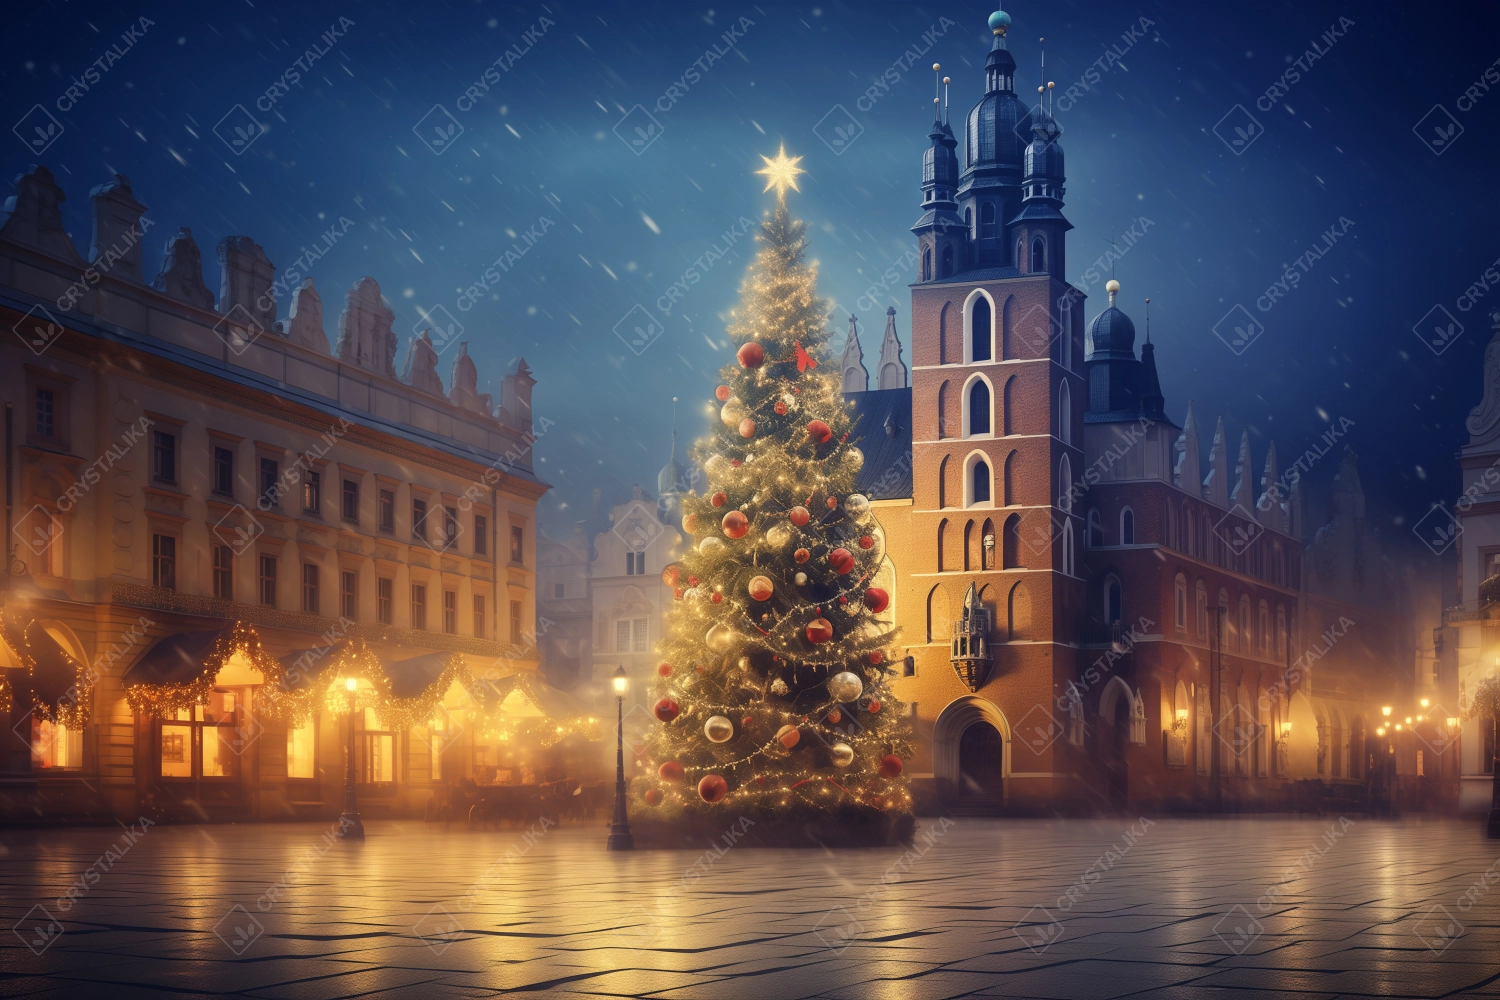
(993, 136)
(999, 21)
(1112, 332)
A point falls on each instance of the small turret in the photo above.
(892, 369)
(856, 376)
(970, 653)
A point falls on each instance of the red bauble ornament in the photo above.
(666, 710)
(665, 670)
(799, 516)
(877, 600)
(653, 796)
(692, 581)
(833, 503)
(802, 555)
(751, 355)
(736, 463)
(722, 393)
(788, 736)
(890, 766)
(747, 722)
(671, 574)
(819, 630)
(874, 706)
(877, 657)
(712, 788)
(690, 524)
(835, 717)
(780, 408)
(717, 598)
(865, 542)
(747, 428)
(677, 593)
(841, 560)
(670, 771)
(843, 599)
(735, 524)
(819, 432)
(718, 499)
(760, 588)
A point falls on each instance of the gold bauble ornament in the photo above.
(719, 729)
(721, 637)
(842, 754)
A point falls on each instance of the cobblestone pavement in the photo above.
(978, 907)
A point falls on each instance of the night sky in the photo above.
(539, 151)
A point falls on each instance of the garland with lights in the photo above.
(72, 710)
(773, 696)
(163, 701)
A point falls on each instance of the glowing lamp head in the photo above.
(1398, 727)
(621, 682)
(1380, 731)
(1425, 702)
(351, 685)
(1182, 713)
(1385, 710)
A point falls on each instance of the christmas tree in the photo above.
(773, 697)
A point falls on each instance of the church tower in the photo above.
(998, 402)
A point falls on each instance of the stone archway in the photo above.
(971, 752)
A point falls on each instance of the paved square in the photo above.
(1264, 907)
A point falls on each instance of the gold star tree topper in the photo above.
(781, 173)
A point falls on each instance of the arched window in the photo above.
(942, 545)
(1095, 537)
(1201, 601)
(937, 614)
(1067, 549)
(1019, 611)
(1010, 551)
(1112, 610)
(947, 268)
(943, 482)
(980, 329)
(1065, 413)
(1263, 631)
(969, 220)
(1008, 418)
(1020, 254)
(1247, 634)
(1281, 631)
(1065, 484)
(978, 424)
(1010, 479)
(970, 547)
(1127, 527)
(1065, 331)
(1179, 602)
(981, 483)
(942, 411)
(987, 221)
(927, 264)
(987, 542)
(1218, 623)
(1038, 255)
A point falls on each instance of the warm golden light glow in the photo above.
(1425, 703)
(1380, 731)
(1182, 713)
(1452, 722)
(781, 173)
(1385, 710)
(621, 682)
(351, 684)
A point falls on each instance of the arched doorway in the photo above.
(981, 756)
(971, 755)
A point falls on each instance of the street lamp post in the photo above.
(1215, 692)
(350, 826)
(620, 838)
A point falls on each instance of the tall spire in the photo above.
(856, 377)
(672, 479)
(891, 370)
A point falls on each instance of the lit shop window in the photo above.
(202, 741)
(55, 747)
(377, 759)
(301, 750)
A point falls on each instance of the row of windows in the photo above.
(1038, 333)
(1034, 262)
(1035, 529)
(978, 418)
(164, 469)
(164, 575)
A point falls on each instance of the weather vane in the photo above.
(781, 173)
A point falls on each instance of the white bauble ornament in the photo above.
(719, 729)
(842, 753)
(733, 412)
(711, 545)
(800, 579)
(857, 504)
(845, 687)
(721, 637)
(717, 467)
(778, 536)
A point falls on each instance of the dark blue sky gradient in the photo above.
(540, 143)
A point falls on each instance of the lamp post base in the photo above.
(350, 826)
(620, 838)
